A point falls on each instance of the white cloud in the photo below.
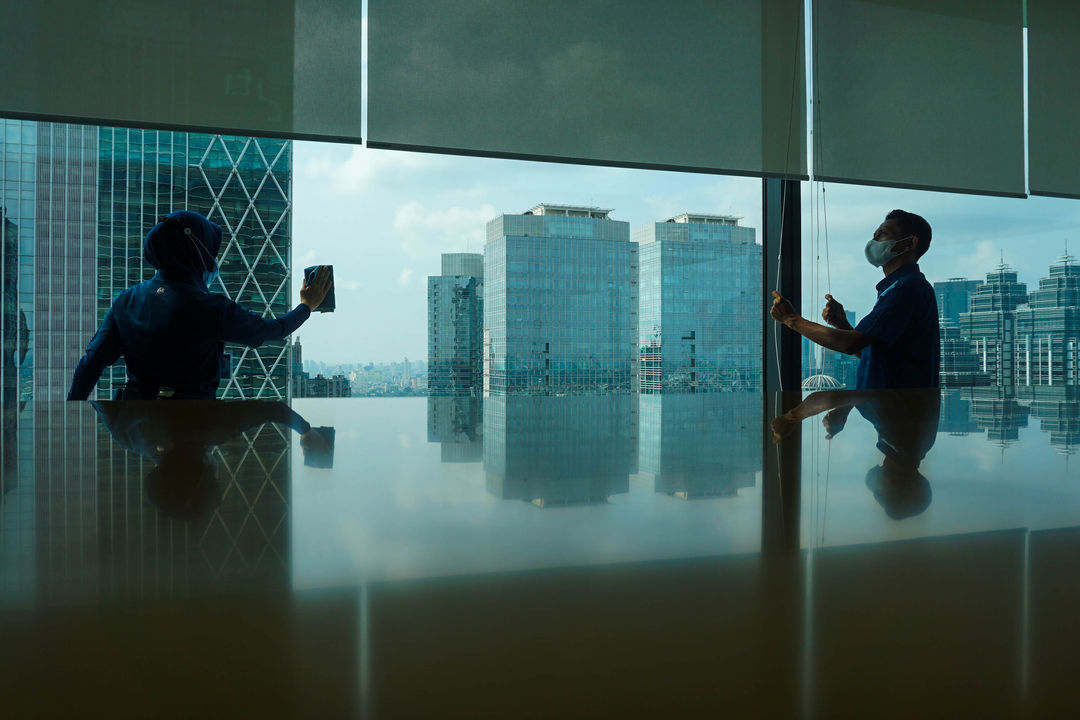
(405, 277)
(425, 233)
(348, 285)
(355, 173)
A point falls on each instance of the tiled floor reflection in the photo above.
(542, 556)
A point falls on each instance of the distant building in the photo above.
(954, 297)
(455, 326)
(699, 298)
(990, 322)
(337, 386)
(1048, 329)
(560, 303)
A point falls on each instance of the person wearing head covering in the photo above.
(171, 330)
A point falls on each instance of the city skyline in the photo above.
(405, 209)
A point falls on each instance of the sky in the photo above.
(383, 218)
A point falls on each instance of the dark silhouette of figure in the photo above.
(170, 329)
(907, 425)
(898, 342)
(178, 438)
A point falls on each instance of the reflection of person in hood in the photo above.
(178, 438)
(171, 330)
(907, 424)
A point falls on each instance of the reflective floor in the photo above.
(723, 555)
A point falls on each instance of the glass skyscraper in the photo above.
(700, 308)
(1048, 329)
(990, 323)
(560, 303)
(243, 184)
(455, 325)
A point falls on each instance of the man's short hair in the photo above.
(912, 224)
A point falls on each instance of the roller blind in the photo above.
(708, 85)
(1054, 97)
(920, 93)
(288, 68)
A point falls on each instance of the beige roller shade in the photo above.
(707, 85)
(920, 93)
(288, 68)
(1054, 97)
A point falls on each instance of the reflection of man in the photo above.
(178, 437)
(897, 343)
(907, 424)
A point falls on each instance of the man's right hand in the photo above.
(834, 314)
(313, 294)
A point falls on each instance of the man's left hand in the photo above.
(782, 310)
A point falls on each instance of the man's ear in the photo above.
(913, 243)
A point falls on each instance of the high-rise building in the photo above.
(954, 297)
(700, 297)
(243, 184)
(990, 323)
(560, 303)
(1048, 329)
(455, 325)
(78, 200)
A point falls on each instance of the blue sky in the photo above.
(383, 217)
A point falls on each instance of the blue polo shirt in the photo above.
(906, 347)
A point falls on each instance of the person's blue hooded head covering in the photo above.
(184, 243)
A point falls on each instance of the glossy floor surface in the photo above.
(840, 555)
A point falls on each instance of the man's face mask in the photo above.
(209, 277)
(880, 252)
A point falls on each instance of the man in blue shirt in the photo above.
(898, 342)
(171, 330)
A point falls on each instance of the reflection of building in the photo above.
(244, 185)
(990, 323)
(956, 414)
(996, 410)
(694, 446)
(554, 451)
(560, 303)
(1048, 329)
(1058, 411)
(954, 297)
(456, 325)
(456, 423)
(699, 319)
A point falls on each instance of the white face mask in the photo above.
(878, 253)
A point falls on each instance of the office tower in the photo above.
(954, 297)
(457, 424)
(455, 325)
(243, 184)
(989, 324)
(960, 366)
(555, 451)
(1048, 329)
(560, 303)
(693, 446)
(700, 314)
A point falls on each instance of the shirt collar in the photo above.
(897, 274)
